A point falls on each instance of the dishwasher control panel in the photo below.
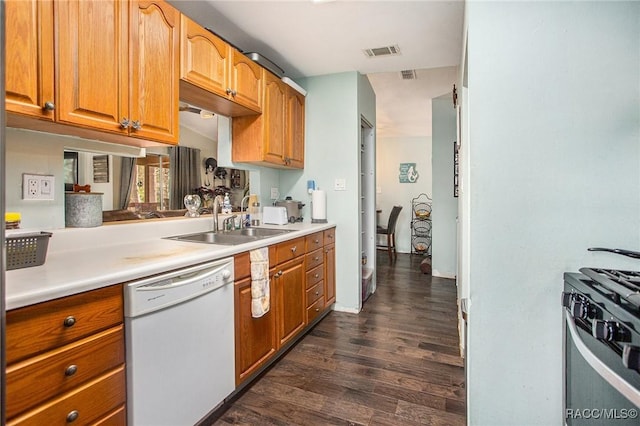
(167, 289)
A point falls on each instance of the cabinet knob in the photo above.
(137, 125)
(317, 293)
(317, 309)
(316, 275)
(69, 321)
(72, 416)
(294, 248)
(124, 123)
(317, 241)
(316, 258)
(231, 92)
(278, 274)
(70, 370)
(49, 106)
(330, 236)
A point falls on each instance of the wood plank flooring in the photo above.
(395, 363)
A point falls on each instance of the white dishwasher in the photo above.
(180, 344)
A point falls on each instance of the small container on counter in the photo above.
(256, 214)
(12, 220)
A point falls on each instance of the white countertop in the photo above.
(85, 259)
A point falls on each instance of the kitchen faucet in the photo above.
(242, 223)
(227, 224)
(216, 203)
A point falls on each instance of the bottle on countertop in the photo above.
(226, 204)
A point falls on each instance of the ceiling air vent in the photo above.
(408, 74)
(382, 51)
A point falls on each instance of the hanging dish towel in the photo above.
(260, 293)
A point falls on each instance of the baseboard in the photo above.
(439, 274)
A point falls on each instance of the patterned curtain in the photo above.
(184, 174)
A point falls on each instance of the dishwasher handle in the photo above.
(173, 280)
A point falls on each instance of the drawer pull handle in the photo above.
(70, 370)
(317, 241)
(69, 321)
(72, 416)
(317, 293)
(294, 248)
(316, 275)
(316, 258)
(317, 309)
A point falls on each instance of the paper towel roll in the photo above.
(319, 206)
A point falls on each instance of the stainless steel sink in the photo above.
(230, 238)
(259, 232)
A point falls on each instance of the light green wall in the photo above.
(554, 130)
(332, 149)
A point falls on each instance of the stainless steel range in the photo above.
(602, 347)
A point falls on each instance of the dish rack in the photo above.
(26, 250)
(421, 225)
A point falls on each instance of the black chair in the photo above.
(390, 232)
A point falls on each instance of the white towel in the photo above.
(260, 292)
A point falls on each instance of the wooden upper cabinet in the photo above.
(92, 78)
(275, 138)
(274, 121)
(204, 58)
(118, 67)
(155, 70)
(29, 66)
(246, 81)
(294, 137)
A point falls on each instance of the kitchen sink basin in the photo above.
(230, 238)
(259, 232)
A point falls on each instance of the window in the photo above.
(151, 185)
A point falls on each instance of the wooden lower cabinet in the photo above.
(289, 287)
(66, 360)
(302, 270)
(255, 337)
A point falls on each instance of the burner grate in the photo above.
(625, 284)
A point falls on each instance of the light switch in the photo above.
(340, 185)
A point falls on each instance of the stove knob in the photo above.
(631, 357)
(604, 330)
(580, 309)
(567, 298)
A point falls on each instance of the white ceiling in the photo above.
(307, 38)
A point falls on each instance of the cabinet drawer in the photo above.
(91, 401)
(241, 266)
(40, 378)
(315, 275)
(314, 259)
(117, 417)
(314, 310)
(38, 328)
(289, 249)
(314, 241)
(330, 236)
(314, 293)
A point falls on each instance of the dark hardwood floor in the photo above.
(395, 363)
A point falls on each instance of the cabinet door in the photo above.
(92, 53)
(204, 58)
(294, 154)
(290, 293)
(274, 120)
(155, 68)
(330, 274)
(255, 337)
(29, 57)
(246, 81)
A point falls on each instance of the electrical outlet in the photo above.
(37, 187)
(340, 185)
